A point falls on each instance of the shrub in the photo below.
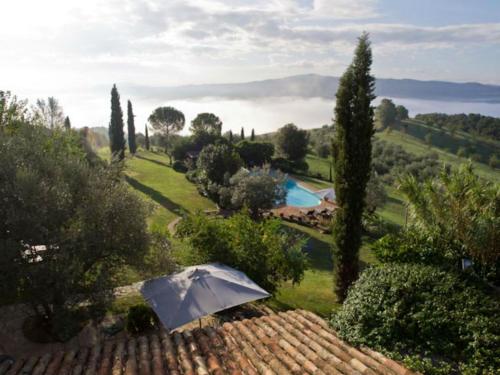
(140, 318)
(424, 311)
(263, 250)
(179, 166)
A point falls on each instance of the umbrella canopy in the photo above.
(326, 194)
(198, 291)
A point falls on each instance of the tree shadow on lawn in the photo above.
(153, 161)
(156, 196)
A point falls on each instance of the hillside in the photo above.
(313, 85)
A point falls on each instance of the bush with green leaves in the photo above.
(264, 250)
(140, 318)
(179, 166)
(257, 190)
(423, 311)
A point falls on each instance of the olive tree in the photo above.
(68, 225)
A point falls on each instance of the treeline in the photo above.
(472, 123)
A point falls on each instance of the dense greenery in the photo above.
(69, 225)
(116, 135)
(217, 163)
(462, 213)
(386, 113)
(352, 162)
(390, 161)
(140, 319)
(263, 250)
(472, 123)
(292, 142)
(423, 311)
(255, 153)
(257, 190)
(132, 145)
(48, 113)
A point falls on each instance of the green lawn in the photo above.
(315, 292)
(170, 191)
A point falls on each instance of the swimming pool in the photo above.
(298, 196)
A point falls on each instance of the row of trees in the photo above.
(116, 134)
(472, 123)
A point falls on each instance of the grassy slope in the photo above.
(315, 292)
(417, 147)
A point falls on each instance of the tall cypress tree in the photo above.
(252, 136)
(230, 136)
(146, 140)
(242, 134)
(131, 129)
(352, 163)
(67, 123)
(116, 135)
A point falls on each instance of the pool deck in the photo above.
(288, 211)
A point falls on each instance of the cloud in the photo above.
(195, 36)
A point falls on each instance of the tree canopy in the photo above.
(292, 142)
(263, 250)
(257, 190)
(167, 121)
(255, 153)
(206, 123)
(69, 225)
(386, 113)
(218, 163)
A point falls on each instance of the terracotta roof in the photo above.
(294, 342)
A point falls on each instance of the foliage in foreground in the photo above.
(68, 226)
(263, 250)
(140, 318)
(461, 213)
(423, 312)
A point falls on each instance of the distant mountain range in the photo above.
(313, 85)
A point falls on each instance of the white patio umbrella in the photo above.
(328, 194)
(198, 291)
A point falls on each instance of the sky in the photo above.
(75, 50)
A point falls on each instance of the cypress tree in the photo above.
(252, 136)
(352, 163)
(131, 129)
(67, 123)
(116, 136)
(146, 138)
(242, 134)
(230, 136)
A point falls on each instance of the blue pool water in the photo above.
(298, 196)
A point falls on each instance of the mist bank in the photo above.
(325, 87)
